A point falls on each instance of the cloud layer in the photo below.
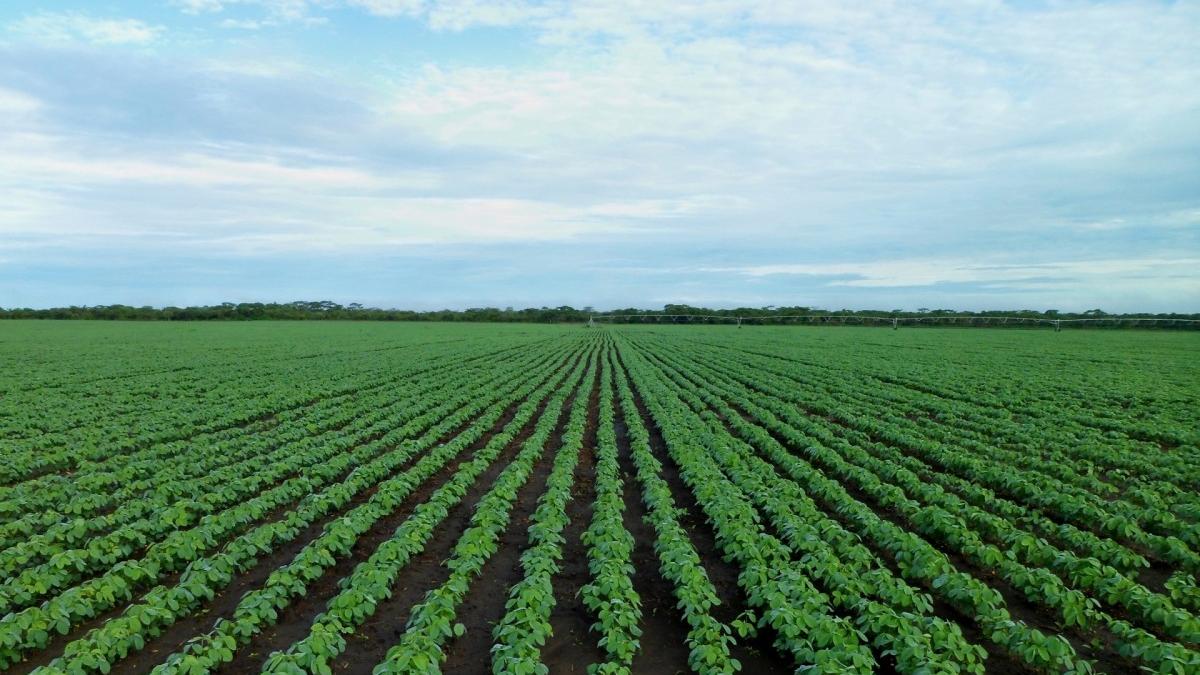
(68, 27)
(974, 155)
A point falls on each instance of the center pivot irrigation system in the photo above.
(895, 321)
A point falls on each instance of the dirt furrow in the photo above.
(572, 647)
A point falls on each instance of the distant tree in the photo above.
(328, 310)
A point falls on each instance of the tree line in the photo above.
(305, 310)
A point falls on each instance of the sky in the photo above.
(967, 154)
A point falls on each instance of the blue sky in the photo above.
(429, 153)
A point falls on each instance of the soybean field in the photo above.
(328, 497)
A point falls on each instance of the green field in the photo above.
(468, 498)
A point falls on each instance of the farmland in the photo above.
(398, 498)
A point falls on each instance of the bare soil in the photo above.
(572, 647)
(756, 655)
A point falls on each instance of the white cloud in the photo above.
(199, 6)
(457, 15)
(390, 8)
(275, 11)
(1182, 218)
(439, 14)
(282, 201)
(64, 27)
(929, 272)
(730, 133)
(14, 103)
(244, 24)
(903, 89)
(35, 158)
(350, 223)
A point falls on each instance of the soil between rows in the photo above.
(997, 412)
(226, 601)
(484, 607)
(1098, 646)
(664, 633)
(757, 655)
(572, 647)
(296, 620)
(266, 415)
(198, 430)
(58, 643)
(885, 663)
(269, 422)
(1153, 577)
(1018, 606)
